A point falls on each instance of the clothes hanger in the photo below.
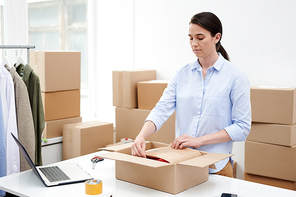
(20, 59)
(5, 60)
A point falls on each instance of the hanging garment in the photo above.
(25, 125)
(2, 145)
(33, 86)
(9, 119)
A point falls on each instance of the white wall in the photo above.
(258, 35)
(114, 50)
(15, 28)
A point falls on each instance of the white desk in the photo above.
(27, 184)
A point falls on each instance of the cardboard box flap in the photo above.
(133, 159)
(120, 147)
(213, 166)
(84, 125)
(115, 148)
(171, 155)
(206, 160)
(158, 81)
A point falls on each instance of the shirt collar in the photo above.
(217, 66)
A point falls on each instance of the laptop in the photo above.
(56, 174)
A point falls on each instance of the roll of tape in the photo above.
(93, 187)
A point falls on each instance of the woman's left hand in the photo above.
(185, 141)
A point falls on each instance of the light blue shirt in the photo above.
(2, 145)
(204, 106)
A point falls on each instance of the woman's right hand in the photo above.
(139, 147)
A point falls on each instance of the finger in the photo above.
(134, 150)
(142, 153)
(141, 149)
(173, 144)
(183, 145)
(176, 142)
(185, 142)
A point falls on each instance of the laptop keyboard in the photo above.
(54, 173)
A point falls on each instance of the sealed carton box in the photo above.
(149, 93)
(129, 122)
(125, 86)
(273, 105)
(60, 105)
(270, 181)
(54, 128)
(85, 137)
(270, 160)
(57, 70)
(278, 134)
(164, 169)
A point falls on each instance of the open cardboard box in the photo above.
(173, 177)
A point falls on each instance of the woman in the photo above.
(211, 97)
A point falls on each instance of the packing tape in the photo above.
(93, 187)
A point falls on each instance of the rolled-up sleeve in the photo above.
(241, 109)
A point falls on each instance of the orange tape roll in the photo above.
(93, 187)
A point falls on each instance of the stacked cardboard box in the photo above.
(135, 93)
(270, 148)
(85, 137)
(59, 74)
(149, 93)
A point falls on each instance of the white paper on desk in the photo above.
(123, 193)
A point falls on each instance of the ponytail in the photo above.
(221, 50)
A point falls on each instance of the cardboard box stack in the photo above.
(59, 74)
(135, 93)
(270, 149)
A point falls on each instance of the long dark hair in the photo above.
(212, 23)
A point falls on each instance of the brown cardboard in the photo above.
(171, 178)
(273, 105)
(54, 128)
(270, 160)
(273, 134)
(149, 93)
(234, 169)
(270, 181)
(60, 105)
(129, 122)
(57, 70)
(125, 86)
(86, 137)
(171, 155)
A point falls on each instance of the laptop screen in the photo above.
(26, 155)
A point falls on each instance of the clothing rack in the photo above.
(28, 47)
